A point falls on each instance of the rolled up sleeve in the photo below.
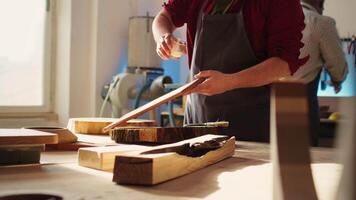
(178, 10)
(284, 32)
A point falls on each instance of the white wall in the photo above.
(91, 42)
(343, 11)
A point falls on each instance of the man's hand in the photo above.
(336, 85)
(165, 45)
(215, 83)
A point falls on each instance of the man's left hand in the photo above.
(215, 83)
(336, 85)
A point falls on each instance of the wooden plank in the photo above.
(347, 154)
(160, 135)
(95, 125)
(64, 135)
(166, 162)
(75, 146)
(292, 177)
(26, 136)
(103, 158)
(154, 104)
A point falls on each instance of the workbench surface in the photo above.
(247, 175)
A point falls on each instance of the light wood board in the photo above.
(25, 136)
(154, 104)
(103, 158)
(149, 168)
(95, 125)
(160, 135)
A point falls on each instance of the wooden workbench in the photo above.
(247, 175)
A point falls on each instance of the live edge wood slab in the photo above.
(154, 104)
(165, 162)
(160, 135)
(94, 126)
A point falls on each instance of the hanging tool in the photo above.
(351, 48)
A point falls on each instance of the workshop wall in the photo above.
(343, 12)
(91, 48)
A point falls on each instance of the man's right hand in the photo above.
(165, 45)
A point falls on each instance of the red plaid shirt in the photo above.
(274, 27)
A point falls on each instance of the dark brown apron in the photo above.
(221, 44)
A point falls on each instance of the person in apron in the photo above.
(223, 55)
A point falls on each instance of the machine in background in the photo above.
(144, 78)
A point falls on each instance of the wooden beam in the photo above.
(346, 143)
(166, 162)
(292, 177)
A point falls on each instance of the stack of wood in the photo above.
(22, 146)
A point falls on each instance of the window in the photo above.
(24, 55)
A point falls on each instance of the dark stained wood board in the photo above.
(20, 154)
(149, 168)
(290, 142)
(161, 135)
(154, 104)
(26, 136)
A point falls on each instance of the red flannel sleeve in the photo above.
(284, 32)
(178, 9)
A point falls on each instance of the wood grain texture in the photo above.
(103, 158)
(95, 125)
(292, 177)
(20, 154)
(160, 135)
(154, 104)
(25, 136)
(75, 146)
(64, 135)
(347, 154)
(153, 168)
